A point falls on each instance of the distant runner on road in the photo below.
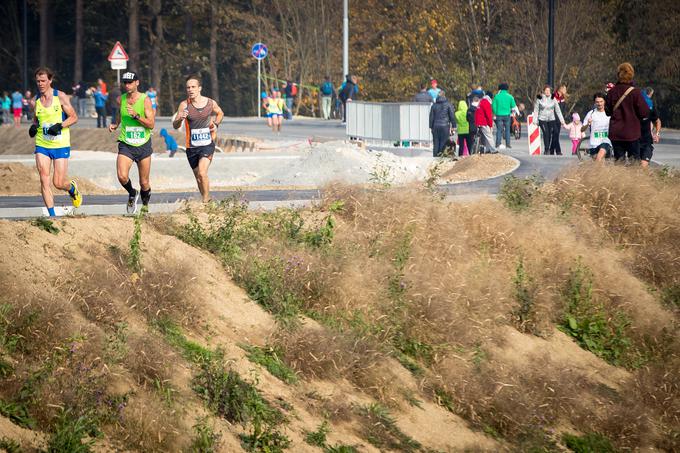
(136, 120)
(598, 122)
(201, 116)
(51, 121)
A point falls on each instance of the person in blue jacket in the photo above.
(100, 106)
(170, 142)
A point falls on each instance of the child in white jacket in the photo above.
(575, 133)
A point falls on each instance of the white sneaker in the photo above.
(132, 203)
(501, 147)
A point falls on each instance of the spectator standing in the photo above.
(546, 110)
(153, 95)
(470, 117)
(290, 91)
(463, 126)
(81, 95)
(17, 107)
(484, 122)
(475, 91)
(575, 133)
(502, 106)
(423, 95)
(347, 93)
(102, 86)
(442, 121)
(6, 108)
(100, 106)
(434, 90)
(327, 93)
(113, 102)
(627, 108)
(25, 106)
(561, 98)
(647, 126)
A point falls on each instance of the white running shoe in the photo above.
(132, 203)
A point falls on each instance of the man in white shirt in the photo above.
(598, 122)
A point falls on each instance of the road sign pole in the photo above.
(259, 88)
(118, 71)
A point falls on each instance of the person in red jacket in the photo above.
(484, 122)
(627, 108)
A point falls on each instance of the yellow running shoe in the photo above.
(74, 193)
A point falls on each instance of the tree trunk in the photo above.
(156, 42)
(214, 87)
(78, 61)
(133, 34)
(44, 10)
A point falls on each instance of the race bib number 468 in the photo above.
(200, 137)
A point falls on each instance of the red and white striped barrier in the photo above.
(534, 135)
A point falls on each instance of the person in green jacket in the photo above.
(464, 138)
(502, 106)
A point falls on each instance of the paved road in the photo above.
(666, 153)
(298, 128)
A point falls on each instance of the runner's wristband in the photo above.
(32, 130)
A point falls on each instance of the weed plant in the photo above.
(518, 193)
(205, 440)
(45, 225)
(72, 434)
(271, 357)
(10, 445)
(589, 323)
(134, 260)
(318, 438)
(381, 430)
(588, 443)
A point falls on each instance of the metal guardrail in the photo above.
(389, 122)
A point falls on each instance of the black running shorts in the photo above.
(136, 153)
(194, 155)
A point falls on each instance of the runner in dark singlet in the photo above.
(201, 117)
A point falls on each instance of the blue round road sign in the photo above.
(259, 51)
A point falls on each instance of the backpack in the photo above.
(327, 89)
(470, 116)
(294, 90)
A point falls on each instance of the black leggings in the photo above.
(547, 132)
(462, 139)
(440, 135)
(555, 145)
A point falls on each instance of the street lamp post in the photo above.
(551, 43)
(345, 38)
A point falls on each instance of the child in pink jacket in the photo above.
(575, 133)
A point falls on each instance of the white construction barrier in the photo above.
(534, 136)
(389, 122)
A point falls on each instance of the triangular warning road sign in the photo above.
(118, 53)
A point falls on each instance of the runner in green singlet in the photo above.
(136, 120)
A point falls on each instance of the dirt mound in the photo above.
(476, 167)
(18, 179)
(17, 141)
(384, 320)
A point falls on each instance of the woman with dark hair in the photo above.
(627, 108)
(547, 112)
(560, 96)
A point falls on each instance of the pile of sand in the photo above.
(476, 167)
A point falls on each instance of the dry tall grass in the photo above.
(436, 281)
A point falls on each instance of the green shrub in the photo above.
(588, 443)
(589, 323)
(70, 433)
(238, 401)
(134, 260)
(518, 193)
(270, 358)
(205, 439)
(525, 297)
(45, 225)
(318, 438)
